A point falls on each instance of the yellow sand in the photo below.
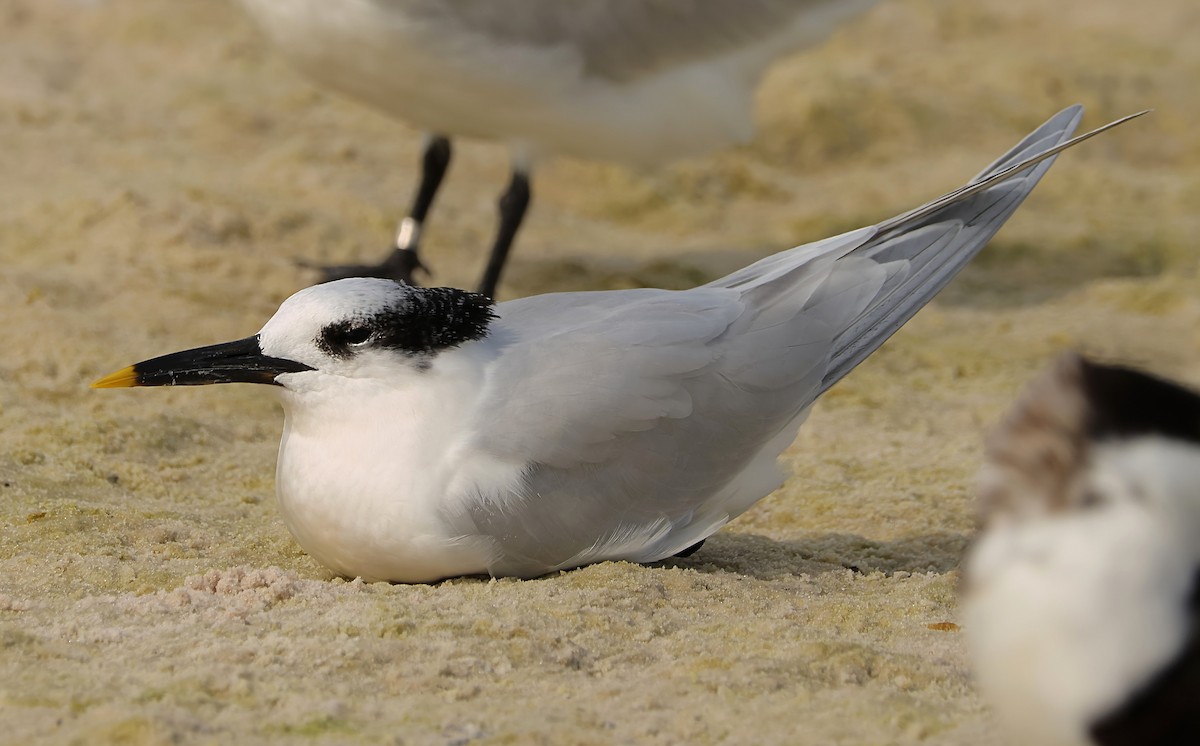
(160, 172)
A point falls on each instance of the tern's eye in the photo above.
(343, 339)
(357, 335)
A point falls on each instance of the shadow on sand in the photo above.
(763, 558)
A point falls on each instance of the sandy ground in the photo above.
(160, 172)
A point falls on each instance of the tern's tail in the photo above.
(937, 240)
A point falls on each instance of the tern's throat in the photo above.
(365, 471)
(402, 436)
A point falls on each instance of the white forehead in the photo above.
(301, 317)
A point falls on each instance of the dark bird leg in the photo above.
(513, 204)
(402, 264)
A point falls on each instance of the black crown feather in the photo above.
(425, 321)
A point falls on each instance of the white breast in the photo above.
(367, 473)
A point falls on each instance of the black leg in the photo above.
(433, 167)
(404, 261)
(513, 204)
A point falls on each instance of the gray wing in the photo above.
(623, 40)
(649, 418)
(587, 367)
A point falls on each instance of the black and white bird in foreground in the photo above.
(640, 82)
(429, 433)
(1080, 595)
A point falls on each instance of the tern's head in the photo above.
(1084, 436)
(348, 328)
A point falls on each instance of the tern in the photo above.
(639, 82)
(430, 433)
(1080, 594)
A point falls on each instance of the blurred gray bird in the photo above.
(1080, 595)
(634, 81)
(429, 433)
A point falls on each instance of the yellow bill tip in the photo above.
(123, 378)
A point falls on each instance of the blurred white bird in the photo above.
(634, 81)
(1080, 595)
(429, 433)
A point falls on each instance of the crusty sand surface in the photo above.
(160, 172)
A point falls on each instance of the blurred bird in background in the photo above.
(639, 82)
(1080, 594)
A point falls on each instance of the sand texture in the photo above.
(161, 171)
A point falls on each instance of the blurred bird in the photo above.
(429, 433)
(1081, 597)
(634, 81)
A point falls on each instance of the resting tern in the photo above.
(640, 82)
(429, 433)
(1081, 597)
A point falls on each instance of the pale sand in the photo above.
(160, 169)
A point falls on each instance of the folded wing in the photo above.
(656, 416)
